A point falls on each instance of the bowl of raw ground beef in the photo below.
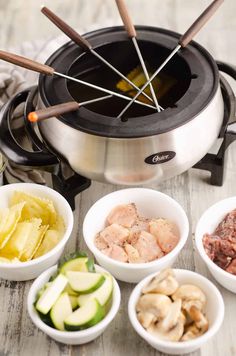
(215, 239)
(134, 232)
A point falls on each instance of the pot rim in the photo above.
(88, 121)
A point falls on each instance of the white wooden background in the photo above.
(20, 20)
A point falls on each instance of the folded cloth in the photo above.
(14, 79)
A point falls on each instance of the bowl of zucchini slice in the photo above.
(75, 301)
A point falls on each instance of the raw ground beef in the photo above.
(221, 245)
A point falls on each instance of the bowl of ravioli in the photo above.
(35, 224)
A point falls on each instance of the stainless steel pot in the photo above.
(148, 146)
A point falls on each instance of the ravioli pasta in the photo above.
(35, 207)
(8, 221)
(29, 228)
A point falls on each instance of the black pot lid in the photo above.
(196, 72)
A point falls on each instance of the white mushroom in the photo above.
(173, 315)
(191, 296)
(193, 303)
(164, 283)
(199, 318)
(191, 332)
(156, 304)
(172, 326)
(180, 320)
(188, 320)
(146, 318)
(199, 327)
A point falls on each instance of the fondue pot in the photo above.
(147, 146)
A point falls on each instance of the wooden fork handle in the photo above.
(199, 23)
(26, 63)
(124, 14)
(52, 111)
(69, 31)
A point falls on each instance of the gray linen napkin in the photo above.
(14, 79)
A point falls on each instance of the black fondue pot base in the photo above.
(193, 69)
(71, 186)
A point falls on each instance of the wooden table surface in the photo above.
(21, 21)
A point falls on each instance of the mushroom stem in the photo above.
(199, 319)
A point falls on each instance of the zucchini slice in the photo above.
(40, 292)
(73, 301)
(60, 311)
(102, 294)
(70, 291)
(86, 316)
(78, 261)
(51, 294)
(84, 282)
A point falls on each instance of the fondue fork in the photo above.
(84, 44)
(60, 109)
(130, 29)
(182, 43)
(45, 69)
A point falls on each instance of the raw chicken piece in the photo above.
(114, 234)
(133, 255)
(141, 224)
(107, 251)
(124, 215)
(118, 253)
(100, 243)
(232, 267)
(147, 247)
(165, 233)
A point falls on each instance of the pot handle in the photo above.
(231, 71)
(229, 127)
(227, 68)
(9, 145)
(215, 163)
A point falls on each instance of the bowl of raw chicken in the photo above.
(134, 232)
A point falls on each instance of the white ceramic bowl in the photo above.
(71, 337)
(28, 270)
(214, 313)
(151, 204)
(207, 224)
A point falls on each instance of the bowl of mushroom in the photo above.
(176, 311)
(135, 232)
